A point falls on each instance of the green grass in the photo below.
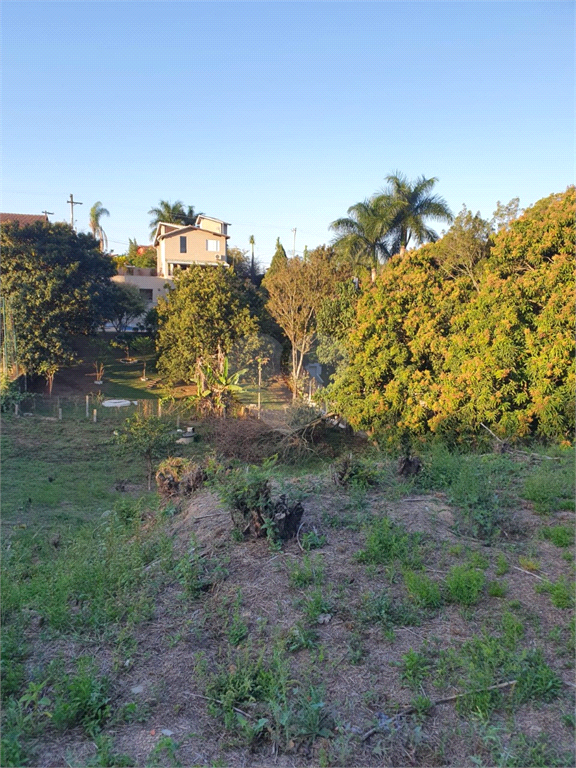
(560, 535)
(61, 471)
(551, 486)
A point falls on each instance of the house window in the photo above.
(147, 294)
(183, 245)
(212, 245)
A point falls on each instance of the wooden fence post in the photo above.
(95, 415)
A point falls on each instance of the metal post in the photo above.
(87, 406)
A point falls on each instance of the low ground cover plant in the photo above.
(366, 594)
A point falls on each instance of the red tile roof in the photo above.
(22, 218)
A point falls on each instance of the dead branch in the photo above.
(517, 450)
(529, 573)
(445, 700)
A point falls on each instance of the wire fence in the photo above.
(98, 408)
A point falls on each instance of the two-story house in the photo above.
(178, 246)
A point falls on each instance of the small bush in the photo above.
(464, 585)
(497, 589)
(561, 592)
(351, 471)
(387, 541)
(551, 488)
(312, 540)
(415, 668)
(82, 699)
(560, 535)
(422, 590)
(309, 570)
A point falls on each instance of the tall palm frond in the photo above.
(96, 213)
(361, 237)
(172, 213)
(410, 204)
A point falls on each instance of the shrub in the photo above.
(387, 541)
(423, 591)
(560, 535)
(464, 585)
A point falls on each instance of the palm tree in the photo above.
(172, 213)
(362, 236)
(409, 205)
(96, 213)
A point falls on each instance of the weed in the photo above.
(497, 588)
(308, 571)
(560, 535)
(237, 628)
(380, 609)
(387, 541)
(422, 590)
(315, 604)
(415, 668)
(561, 592)
(422, 706)
(312, 540)
(300, 637)
(464, 585)
(482, 662)
(502, 566)
(105, 756)
(82, 699)
(512, 630)
(551, 488)
(165, 750)
(476, 560)
(528, 564)
(356, 650)
(537, 752)
(355, 472)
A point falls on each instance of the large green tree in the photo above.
(278, 260)
(203, 315)
(448, 341)
(408, 205)
(57, 283)
(96, 213)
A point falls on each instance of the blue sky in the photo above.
(274, 116)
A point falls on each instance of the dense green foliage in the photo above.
(470, 331)
(58, 285)
(202, 316)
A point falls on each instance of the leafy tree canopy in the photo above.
(126, 304)
(202, 316)
(295, 292)
(451, 338)
(58, 284)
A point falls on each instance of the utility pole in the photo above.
(48, 213)
(72, 204)
(294, 230)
